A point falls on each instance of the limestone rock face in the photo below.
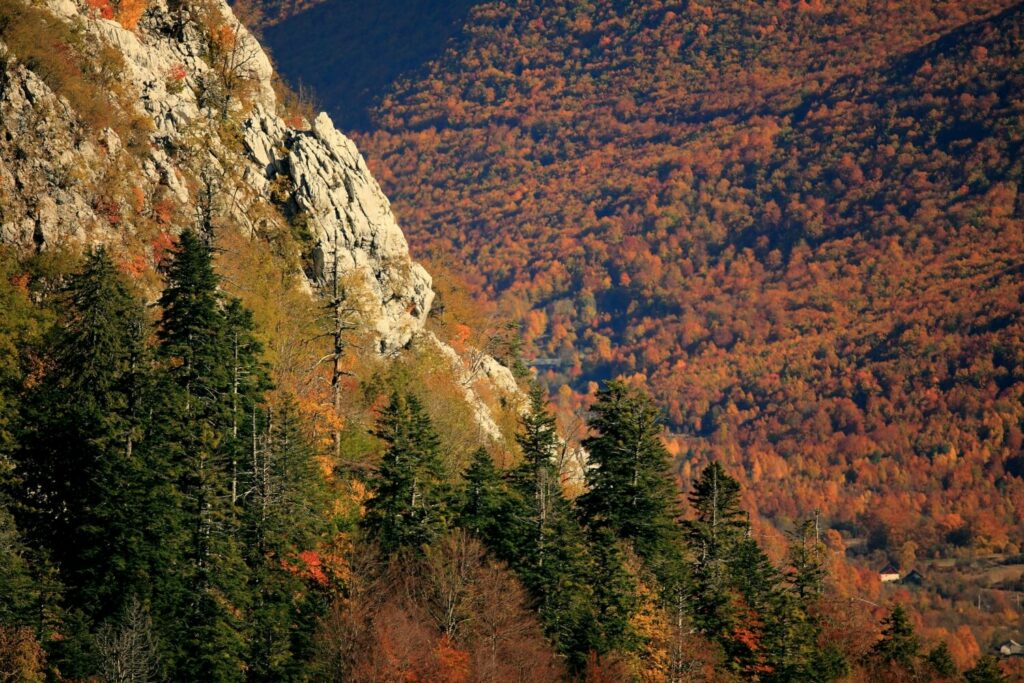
(349, 217)
(56, 174)
(39, 155)
(351, 220)
(167, 63)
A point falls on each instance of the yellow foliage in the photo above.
(129, 12)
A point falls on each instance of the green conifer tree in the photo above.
(286, 513)
(22, 593)
(899, 645)
(986, 670)
(940, 662)
(408, 507)
(615, 594)
(248, 380)
(630, 489)
(537, 477)
(713, 535)
(759, 635)
(797, 655)
(806, 572)
(84, 459)
(548, 548)
(197, 353)
(484, 505)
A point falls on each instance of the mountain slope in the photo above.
(799, 221)
(349, 52)
(122, 127)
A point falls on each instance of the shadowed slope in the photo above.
(349, 51)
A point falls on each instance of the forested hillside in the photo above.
(799, 222)
(169, 513)
(244, 436)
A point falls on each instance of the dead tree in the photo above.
(342, 313)
(128, 652)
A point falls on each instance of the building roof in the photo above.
(913, 576)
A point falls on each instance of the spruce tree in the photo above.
(286, 515)
(986, 670)
(408, 507)
(940, 661)
(798, 656)
(83, 459)
(20, 592)
(248, 380)
(806, 572)
(537, 477)
(484, 505)
(899, 645)
(548, 548)
(761, 628)
(615, 594)
(197, 353)
(630, 489)
(713, 535)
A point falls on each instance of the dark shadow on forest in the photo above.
(349, 52)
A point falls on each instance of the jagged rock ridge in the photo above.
(324, 175)
(225, 162)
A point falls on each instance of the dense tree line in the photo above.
(167, 515)
(761, 209)
(797, 222)
(164, 499)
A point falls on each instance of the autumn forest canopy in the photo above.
(169, 513)
(798, 223)
(716, 375)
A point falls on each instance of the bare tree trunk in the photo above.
(234, 424)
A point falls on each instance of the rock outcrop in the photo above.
(167, 61)
(350, 219)
(38, 154)
(207, 135)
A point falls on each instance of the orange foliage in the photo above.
(134, 266)
(452, 663)
(386, 630)
(807, 242)
(101, 7)
(161, 245)
(21, 282)
(313, 567)
(129, 12)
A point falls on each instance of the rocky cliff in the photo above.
(124, 128)
(193, 83)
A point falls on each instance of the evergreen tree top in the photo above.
(538, 435)
(630, 486)
(899, 643)
(190, 300)
(106, 325)
(986, 670)
(716, 500)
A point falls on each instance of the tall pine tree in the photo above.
(899, 646)
(197, 351)
(630, 489)
(484, 506)
(83, 462)
(286, 515)
(409, 503)
(548, 546)
(736, 595)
